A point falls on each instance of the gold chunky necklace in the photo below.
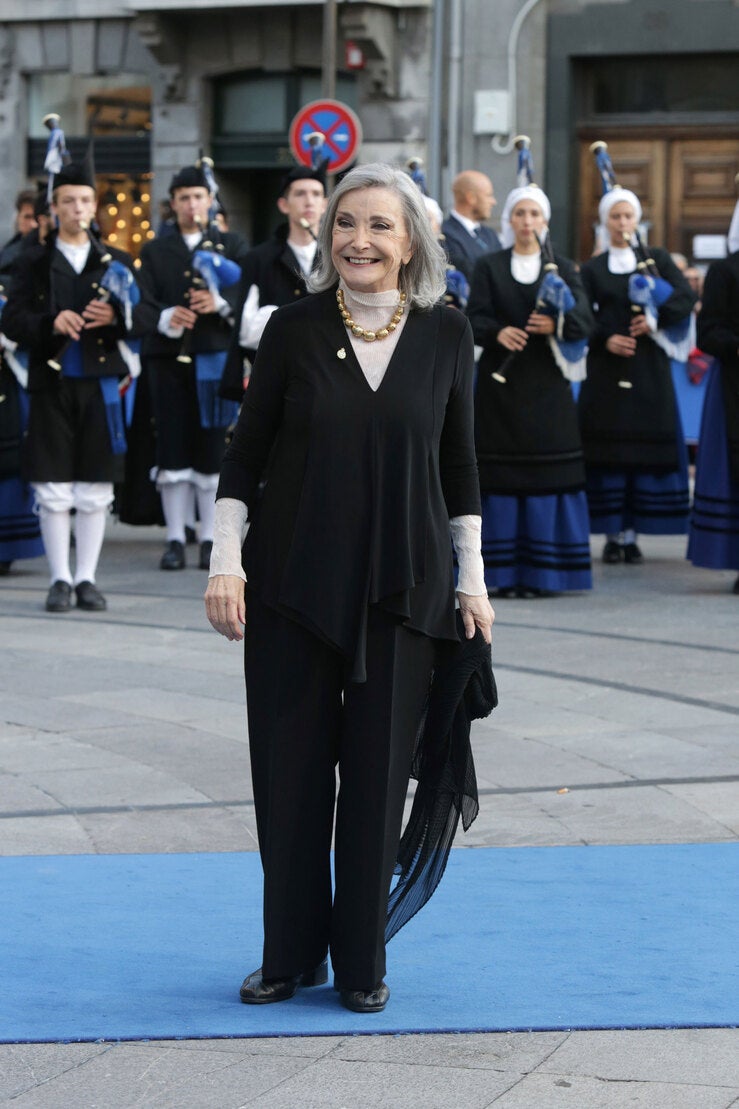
(361, 332)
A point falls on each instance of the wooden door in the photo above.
(685, 184)
(702, 190)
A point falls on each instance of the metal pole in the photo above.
(435, 105)
(328, 75)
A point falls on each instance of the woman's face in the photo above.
(528, 223)
(370, 240)
(621, 223)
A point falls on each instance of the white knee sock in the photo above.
(55, 532)
(206, 499)
(629, 535)
(89, 529)
(175, 500)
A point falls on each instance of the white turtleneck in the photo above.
(372, 311)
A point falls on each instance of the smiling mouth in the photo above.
(360, 261)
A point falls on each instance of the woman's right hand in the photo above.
(225, 606)
(512, 338)
(622, 345)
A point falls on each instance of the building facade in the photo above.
(157, 82)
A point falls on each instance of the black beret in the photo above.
(74, 173)
(299, 173)
(189, 177)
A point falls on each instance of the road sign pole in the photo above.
(328, 76)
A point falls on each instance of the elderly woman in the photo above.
(532, 475)
(635, 455)
(352, 457)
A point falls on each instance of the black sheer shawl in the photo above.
(462, 690)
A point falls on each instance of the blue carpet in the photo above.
(155, 946)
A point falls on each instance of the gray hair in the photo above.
(423, 279)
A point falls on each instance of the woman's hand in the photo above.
(622, 345)
(477, 612)
(512, 338)
(539, 323)
(225, 606)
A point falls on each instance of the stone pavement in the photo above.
(618, 723)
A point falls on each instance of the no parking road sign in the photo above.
(340, 127)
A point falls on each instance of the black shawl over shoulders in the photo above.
(350, 491)
(632, 429)
(718, 334)
(526, 430)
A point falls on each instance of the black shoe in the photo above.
(89, 597)
(205, 548)
(58, 599)
(365, 1001)
(174, 556)
(735, 587)
(613, 552)
(632, 554)
(255, 991)
(5, 569)
(190, 535)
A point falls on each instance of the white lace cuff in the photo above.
(229, 532)
(466, 537)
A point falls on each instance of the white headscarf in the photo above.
(615, 196)
(523, 192)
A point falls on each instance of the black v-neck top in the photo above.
(350, 490)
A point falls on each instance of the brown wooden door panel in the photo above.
(701, 189)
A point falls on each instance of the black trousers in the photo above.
(305, 720)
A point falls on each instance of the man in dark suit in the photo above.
(190, 425)
(465, 236)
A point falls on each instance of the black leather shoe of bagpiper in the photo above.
(59, 597)
(613, 552)
(5, 569)
(205, 548)
(89, 597)
(174, 556)
(632, 554)
(255, 991)
(735, 587)
(365, 1001)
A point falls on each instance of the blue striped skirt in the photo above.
(652, 504)
(714, 523)
(537, 541)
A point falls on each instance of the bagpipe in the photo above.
(648, 290)
(117, 284)
(554, 297)
(212, 270)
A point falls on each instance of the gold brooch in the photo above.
(341, 353)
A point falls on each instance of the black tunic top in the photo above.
(633, 428)
(165, 276)
(718, 334)
(44, 284)
(360, 485)
(526, 431)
